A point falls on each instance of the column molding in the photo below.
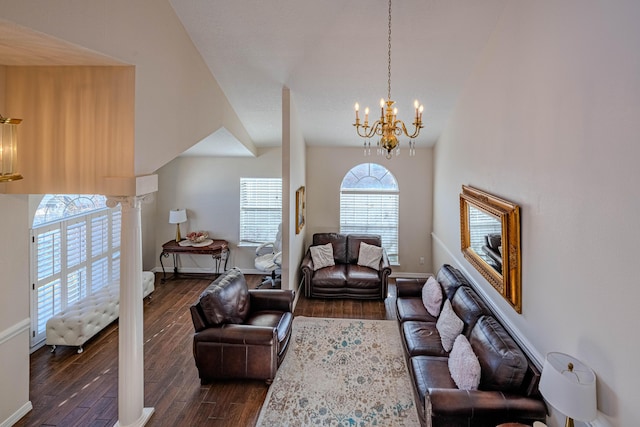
(131, 410)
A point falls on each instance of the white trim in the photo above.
(536, 357)
(15, 330)
(405, 275)
(15, 417)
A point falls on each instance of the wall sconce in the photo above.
(177, 217)
(9, 149)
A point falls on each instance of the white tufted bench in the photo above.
(82, 320)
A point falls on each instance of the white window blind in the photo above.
(72, 258)
(369, 203)
(260, 209)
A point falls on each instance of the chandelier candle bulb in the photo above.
(366, 116)
(357, 107)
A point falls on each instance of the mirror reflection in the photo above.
(485, 237)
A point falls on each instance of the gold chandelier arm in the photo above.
(373, 129)
(403, 129)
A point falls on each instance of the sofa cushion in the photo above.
(338, 241)
(362, 277)
(422, 339)
(468, 307)
(430, 372)
(449, 326)
(369, 256)
(412, 308)
(322, 256)
(450, 278)
(353, 245)
(463, 365)
(502, 363)
(432, 296)
(331, 277)
(226, 299)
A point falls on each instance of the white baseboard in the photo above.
(406, 275)
(15, 417)
(536, 357)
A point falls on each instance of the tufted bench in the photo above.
(82, 320)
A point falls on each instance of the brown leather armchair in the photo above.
(240, 333)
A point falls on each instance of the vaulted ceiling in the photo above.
(332, 54)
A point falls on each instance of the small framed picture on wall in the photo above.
(300, 209)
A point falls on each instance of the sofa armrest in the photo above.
(471, 404)
(271, 299)
(409, 287)
(237, 334)
(307, 272)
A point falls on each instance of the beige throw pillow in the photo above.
(432, 296)
(322, 256)
(464, 366)
(449, 325)
(369, 256)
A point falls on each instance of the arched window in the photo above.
(75, 250)
(369, 197)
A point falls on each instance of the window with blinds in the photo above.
(260, 209)
(74, 253)
(369, 201)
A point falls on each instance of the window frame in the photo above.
(254, 204)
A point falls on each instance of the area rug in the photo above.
(341, 372)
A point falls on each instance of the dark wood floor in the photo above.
(70, 389)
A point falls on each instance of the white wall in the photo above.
(327, 166)
(209, 188)
(549, 120)
(14, 308)
(293, 177)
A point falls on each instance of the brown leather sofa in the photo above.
(240, 332)
(346, 279)
(508, 389)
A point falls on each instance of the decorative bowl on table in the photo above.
(197, 236)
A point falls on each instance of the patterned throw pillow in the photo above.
(432, 296)
(448, 325)
(464, 366)
(322, 256)
(369, 256)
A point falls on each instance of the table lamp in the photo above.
(177, 217)
(569, 386)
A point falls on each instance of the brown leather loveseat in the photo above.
(240, 332)
(347, 278)
(508, 380)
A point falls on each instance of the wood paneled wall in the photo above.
(78, 128)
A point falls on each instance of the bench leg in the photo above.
(53, 349)
(80, 349)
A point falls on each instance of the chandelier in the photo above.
(388, 127)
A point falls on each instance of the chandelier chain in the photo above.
(389, 56)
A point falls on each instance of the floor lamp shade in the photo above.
(569, 386)
(177, 216)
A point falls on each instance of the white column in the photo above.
(131, 410)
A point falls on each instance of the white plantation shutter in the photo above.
(72, 258)
(260, 209)
(369, 203)
(371, 213)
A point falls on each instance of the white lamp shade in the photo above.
(177, 216)
(572, 392)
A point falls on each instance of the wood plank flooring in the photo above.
(70, 389)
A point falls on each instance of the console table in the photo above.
(218, 250)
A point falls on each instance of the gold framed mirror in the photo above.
(490, 241)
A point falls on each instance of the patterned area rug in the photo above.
(342, 372)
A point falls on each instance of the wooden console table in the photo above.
(219, 251)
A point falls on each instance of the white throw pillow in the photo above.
(369, 256)
(464, 366)
(432, 296)
(448, 325)
(322, 256)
